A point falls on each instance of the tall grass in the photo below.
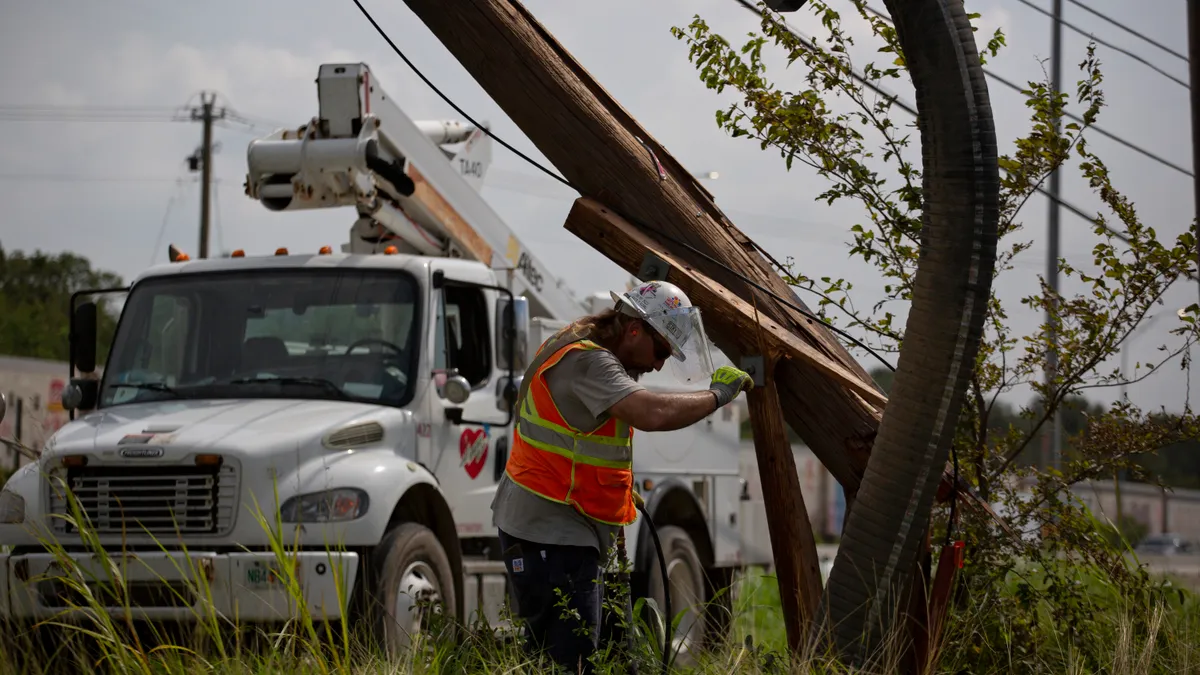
(985, 634)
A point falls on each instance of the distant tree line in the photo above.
(35, 300)
(35, 292)
(1177, 466)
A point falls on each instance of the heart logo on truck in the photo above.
(473, 449)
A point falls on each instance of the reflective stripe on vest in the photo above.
(590, 470)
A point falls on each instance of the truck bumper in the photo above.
(178, 586)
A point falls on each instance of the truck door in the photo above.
(466, 454)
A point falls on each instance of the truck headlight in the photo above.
(12, 508)
(322, 507)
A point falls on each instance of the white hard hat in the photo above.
(667, 309)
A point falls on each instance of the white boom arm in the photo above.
(363, 151)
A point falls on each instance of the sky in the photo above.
(117, 189)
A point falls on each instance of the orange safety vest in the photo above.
(590, 470)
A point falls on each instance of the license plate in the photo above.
(261, 576)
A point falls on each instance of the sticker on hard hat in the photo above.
(675, 331)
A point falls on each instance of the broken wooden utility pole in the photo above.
(605, 154)
(724, 313)
(643, 200)
(797, 568)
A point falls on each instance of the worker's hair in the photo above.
(604, 328)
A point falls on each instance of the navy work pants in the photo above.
(542, 576)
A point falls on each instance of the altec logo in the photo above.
(141, 453)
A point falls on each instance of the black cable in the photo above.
(894, 97)
(951, 526)
(1101, 130)
(1129, 30)
(662, 566)
(808, 43)
(668, 632)
(693, 249)
(640, 224)
(445, 98)
(769, 292)
(1111, 46)
(900, 103)
(1017, 88)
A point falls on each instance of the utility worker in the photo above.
(568, 485)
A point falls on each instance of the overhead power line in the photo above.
(26, 177)
(1100, 130)
(84, 109)
(1129, 30)
(1069, 115)
(92, 113)
(80, 114)
(1111, 46)
(913, 111)
(254, 122)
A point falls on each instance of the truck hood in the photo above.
(227, 425)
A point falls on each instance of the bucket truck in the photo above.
(363, 400)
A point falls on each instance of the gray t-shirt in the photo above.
(584, 384)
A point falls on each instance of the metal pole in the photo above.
(1055, 436)
(1193, 19)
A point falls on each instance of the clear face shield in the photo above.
(691, 359)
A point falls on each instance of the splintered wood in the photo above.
(723, 312)
(603, 151)
(744, 329)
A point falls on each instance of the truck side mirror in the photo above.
(83, 337)
(512, 328)
(507, 390)
(80, 394)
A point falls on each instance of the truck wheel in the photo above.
(686, 574)
(413, 578)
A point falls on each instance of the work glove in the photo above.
(728, 382)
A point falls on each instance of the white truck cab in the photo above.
(332, 426)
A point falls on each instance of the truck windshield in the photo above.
(326, 334)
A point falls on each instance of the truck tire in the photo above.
(686, 574)
(410, 567)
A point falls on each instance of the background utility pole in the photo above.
(1053, 440)
(1193, 19)
(205, 114)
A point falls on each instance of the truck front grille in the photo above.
(140, 594)
(137, 500)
